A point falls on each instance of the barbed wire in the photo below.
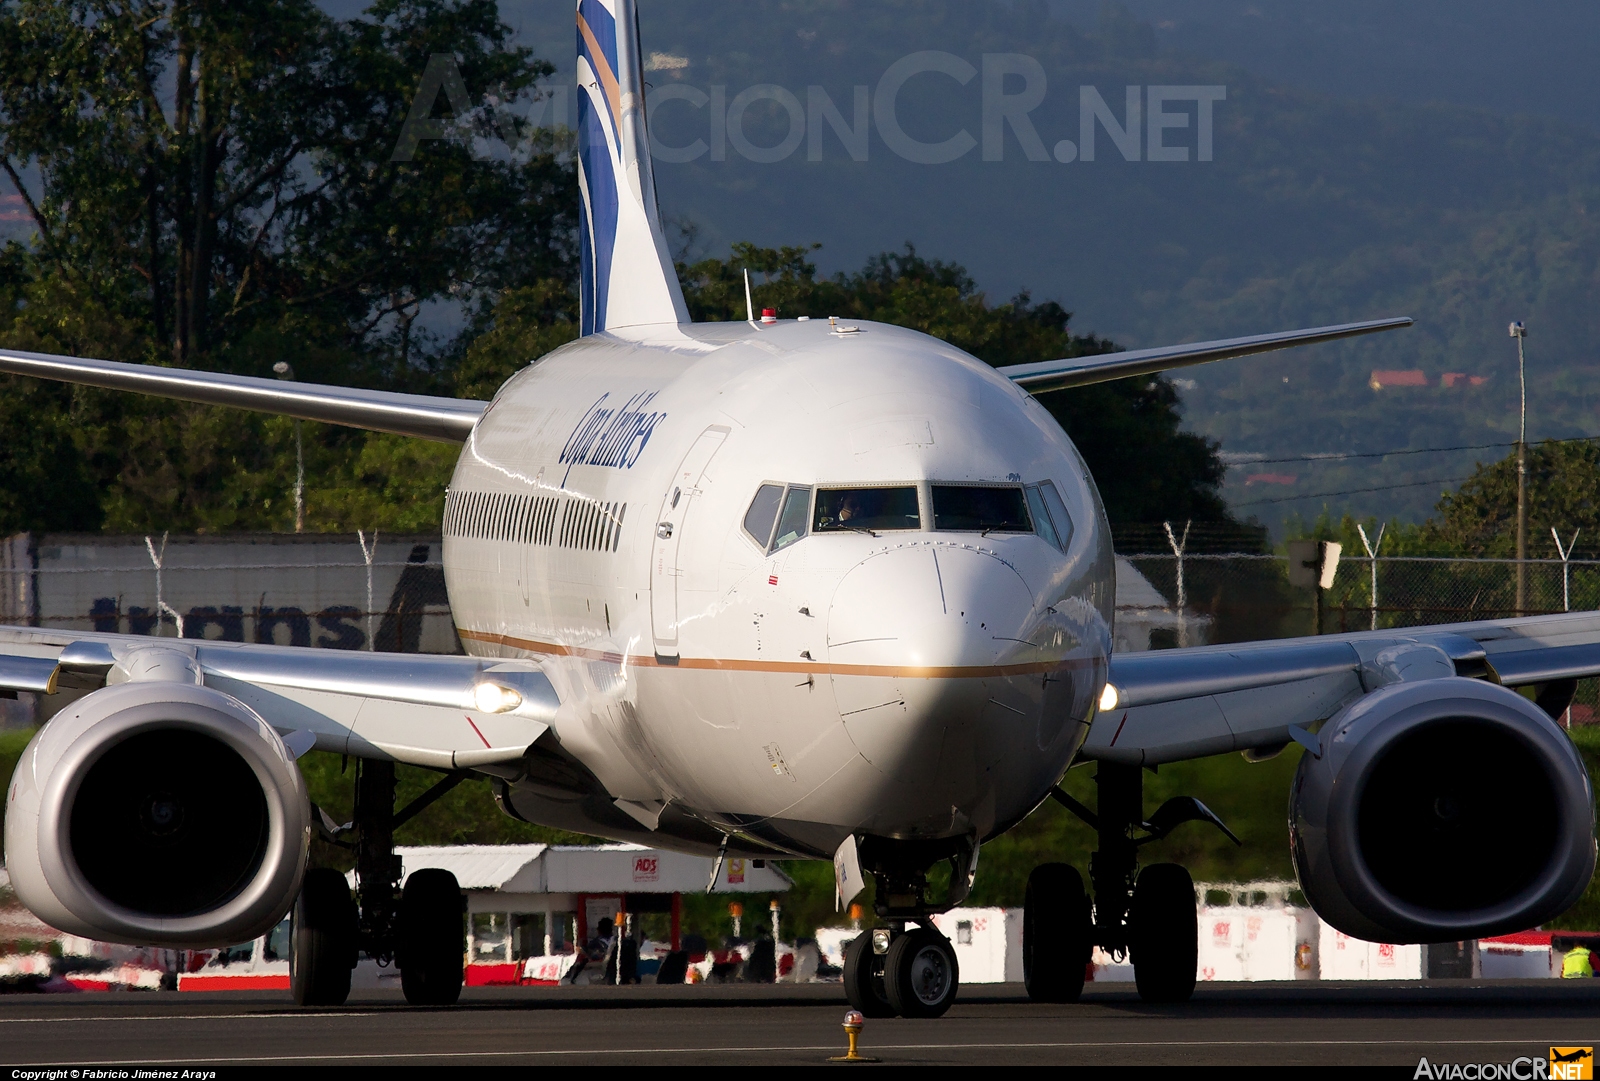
(1351, 491)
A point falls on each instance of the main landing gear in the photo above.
(419, 928)
(1149, 915)
(908, 968)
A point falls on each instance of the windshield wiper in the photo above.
(861, 529)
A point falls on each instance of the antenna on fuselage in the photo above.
(749, 305)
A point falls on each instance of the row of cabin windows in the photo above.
(526, 519)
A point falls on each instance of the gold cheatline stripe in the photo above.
(797, 667)
(608, 78)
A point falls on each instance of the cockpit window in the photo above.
(840, 509)
(778, 515)
(981, 507)
(763, 513)
(1058, 515)
(792, 524)
(1041, 517)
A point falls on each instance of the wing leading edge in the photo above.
(1048, 375)
(1176, 704)
(423, 710)
(444, 420)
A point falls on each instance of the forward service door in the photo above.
(671, 523)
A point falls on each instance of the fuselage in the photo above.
(666, 521)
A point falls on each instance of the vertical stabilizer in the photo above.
(628, 277)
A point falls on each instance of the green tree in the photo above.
(215, 186)
(527, 323)
(1479, 519)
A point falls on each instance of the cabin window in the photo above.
(539, 520)
(980, 508)
(792, 523)
(840, 509)
(763, 514)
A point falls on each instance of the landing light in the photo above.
(493, 698)
(1109, 698)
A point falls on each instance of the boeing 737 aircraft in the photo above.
(797, 588)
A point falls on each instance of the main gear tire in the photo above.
(323, 932)
(1163, 933)
(1057, 934)
(430, 945)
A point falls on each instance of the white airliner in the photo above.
(798, 588)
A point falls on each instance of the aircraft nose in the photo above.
(921, 642)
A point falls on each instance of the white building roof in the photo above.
(619, 868)
(1138, 601)
(476, 867)
(1134, 589)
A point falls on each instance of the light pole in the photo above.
(285, 372)
(1519, 332)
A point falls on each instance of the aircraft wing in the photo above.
(444, 420)
(421, 709)
(1174, 704)
(1047, 375)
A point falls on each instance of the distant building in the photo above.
(1270, 478)
(1147, 620)
(531, 907)
(1414, 378)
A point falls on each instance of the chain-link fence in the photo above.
(1235, 596)
(326, 590)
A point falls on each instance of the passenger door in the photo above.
(665, 568)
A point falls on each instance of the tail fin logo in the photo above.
(627, 277)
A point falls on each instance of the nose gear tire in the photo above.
(322, 940)
(429, 945)
(1163, 930)
(1056, 934)
(919, 973)
(863, 978)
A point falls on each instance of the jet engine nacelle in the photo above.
(158, 813)
(1442, 810)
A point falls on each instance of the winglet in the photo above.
(627, 276)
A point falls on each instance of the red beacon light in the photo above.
(769, 315)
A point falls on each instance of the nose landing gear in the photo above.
(1150, 915)
(901, 972)
(908, 968)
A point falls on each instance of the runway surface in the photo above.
(1318, 1024)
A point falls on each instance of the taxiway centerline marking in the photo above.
(176, 1017)
(569, 1052)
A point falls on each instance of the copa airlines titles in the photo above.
(612, 437)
